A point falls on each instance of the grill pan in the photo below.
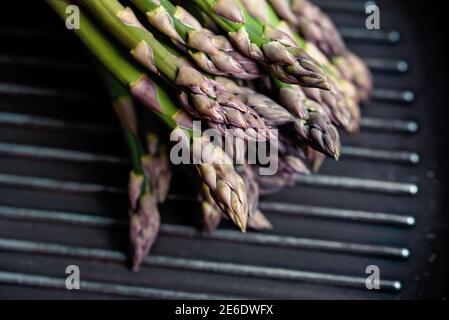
(63, 168)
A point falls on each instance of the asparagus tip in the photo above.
(260, 222)
(241, 223)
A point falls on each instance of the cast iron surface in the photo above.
(63, 170)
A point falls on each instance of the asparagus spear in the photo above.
(226, 186)
(142, 189)
(212, 215)
(157, 164)
(201, 97)
(259, 222)
(212, 53)
(291, 163)
(313, 23)
(269, 110)
(251, 186)
(274, 184)
(315, 158)
(149, 154)
(211, 212)
(310, 125)
(319, 29)
(274, 49)
(313, 125)
(291, 155)
(338, 103)
(355, 70)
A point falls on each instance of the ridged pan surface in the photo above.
(63, 169)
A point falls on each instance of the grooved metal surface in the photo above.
(64, 167)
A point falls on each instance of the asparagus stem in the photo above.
(144, 214)
(149, 155)
(124, 107)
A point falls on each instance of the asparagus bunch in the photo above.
(201, 97)
(338, 102)
(269, 46)
(216, 79)
(217, 172)
(175, 23)
(212, 53)
(319, 29)
(317, 131)
(312, 126)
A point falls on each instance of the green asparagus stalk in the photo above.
(319, 29)
(338, 103)
(227, 187)
(143, 213)
(270, 47)
(200, 96)
(212, 53)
